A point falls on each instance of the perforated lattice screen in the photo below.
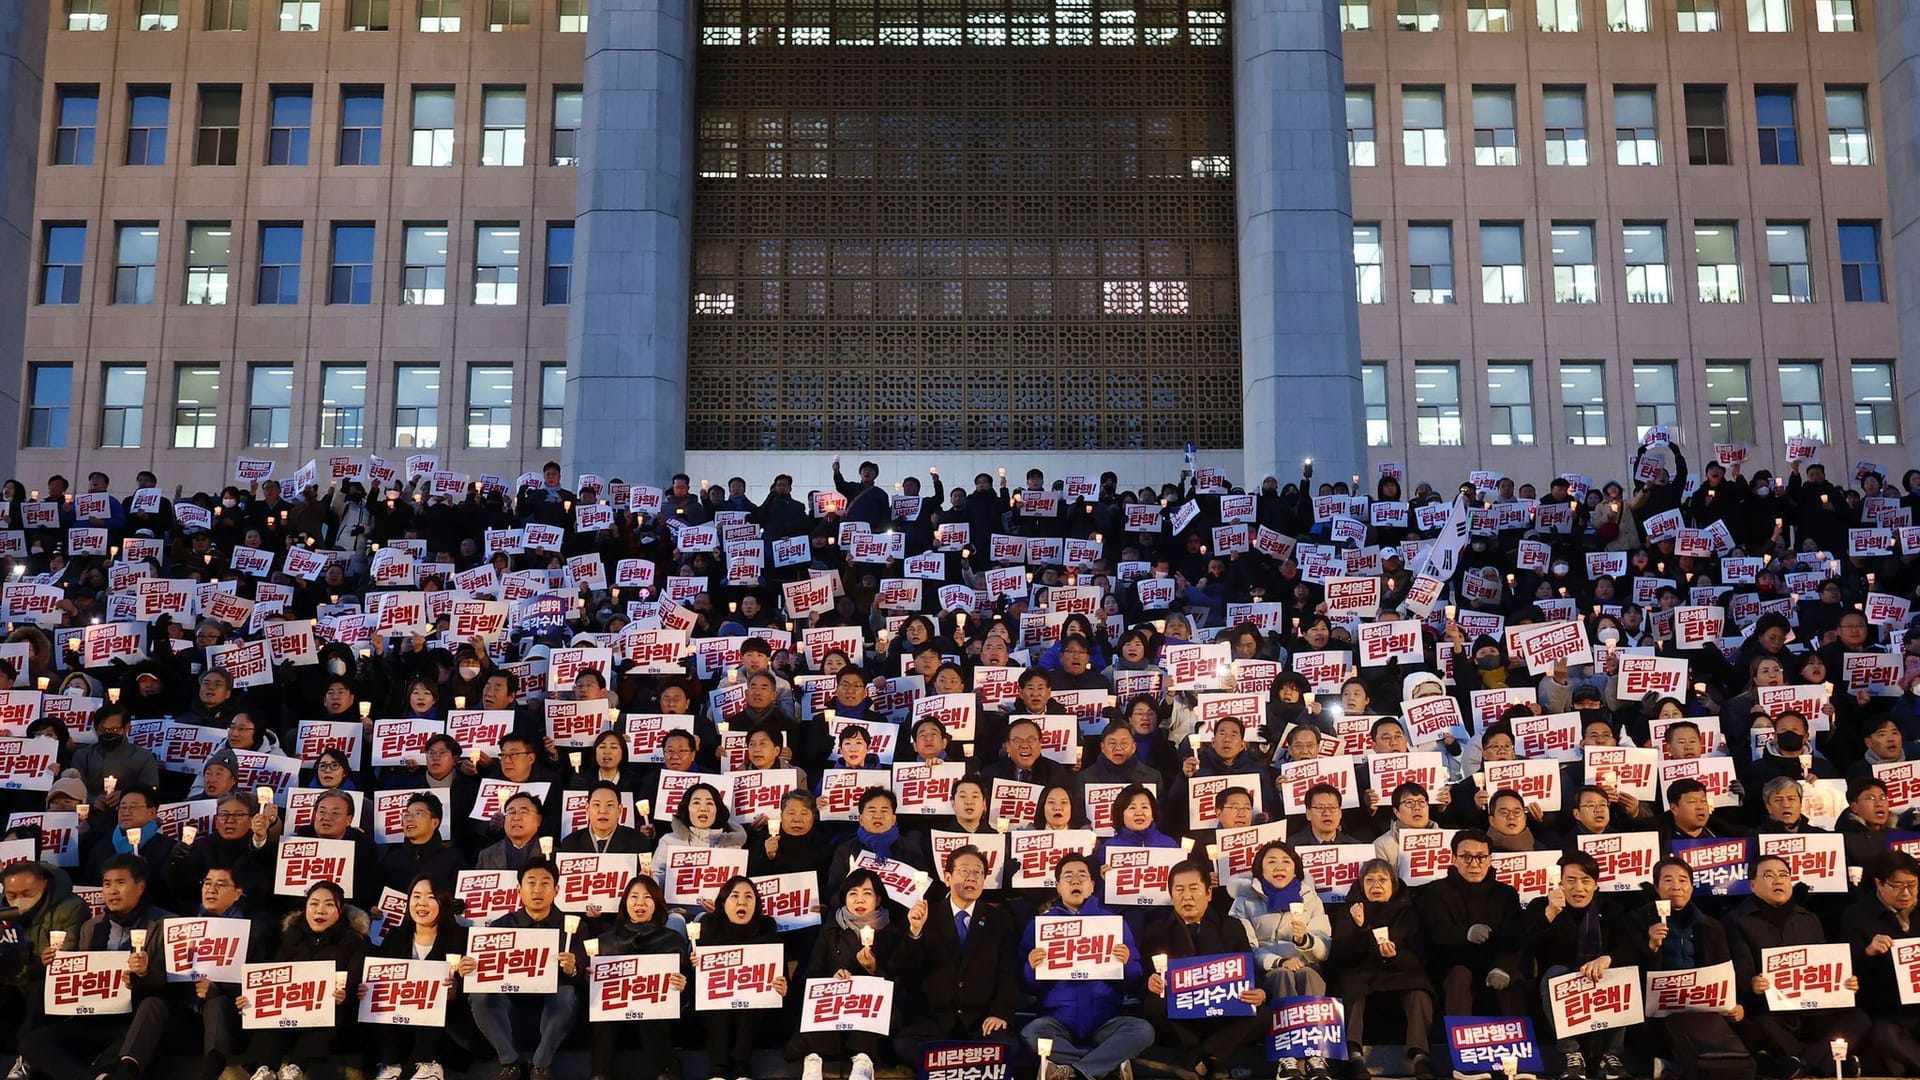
(944, 226)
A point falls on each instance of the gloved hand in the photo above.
(1478, 933)
(1498, 979)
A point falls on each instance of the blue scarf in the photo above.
(880, 844)
(1151, 836)
(147, 833)
(1279, 899)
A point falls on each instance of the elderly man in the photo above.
(1197, 927)
(1771, 919)
(1880, 922)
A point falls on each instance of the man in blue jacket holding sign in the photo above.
(1083, 1021)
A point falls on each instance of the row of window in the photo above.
(1622, 16)
(217, 134)
(1437, 412)
(353, 251)
(296, 16)
(344, 410)
(1565, 142)
(1649, 278)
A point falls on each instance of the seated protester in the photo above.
(500, 691)
(1791, 752)
(1782, 800)
(1076, 670)
(1135, 816)
(736, 919)
(1057, 809)
(607, 761)
(1410, 811)
(228, 845)
(218, 777)
(130, 764)
(1689, 814)
(1198, 927)
(450, 778)
(135, 811)
(760, 706)
(767, 749)
(1023, 761)
(1885, 744)
(1881, 920)
(522, 814)
(1033, 695)
(520, 763)
(327, 928)
(1377, 949)
(859, 939)
(1575, 928)
(1683, 742)
(1290, 928)
(333, 820)
(701, 821)
(679, 752)
(1418, 685)
(121, 1047)
(878, 832)
(224, 897)
(1510, 824)
(1116, 759)
(1866, 821)
(1093, 1034)
(956, 973)
(1686, 937)
(603, 833)
(1475, 940)
(756, 656)
(493, 1014)
(1793, 1043)
(926, 744)
(1151, 744)
(970, 807)
(1594, 813)
(1228, 755)
(1232, 808)
(639, 928)
(43, 902)
(790, 843)
(1596, 729)
(421, 852)
(1323, 824)
(1468, 804)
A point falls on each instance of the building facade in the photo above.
(1074, 233)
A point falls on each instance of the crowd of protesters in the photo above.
(1222, 673)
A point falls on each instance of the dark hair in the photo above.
(1470, 836)
(427, 799)
(134, 865)
(538, 863)
(872, 793)
(528, 796)
(652, 887)
(963, 851)
(720, 815)
(1127, 794)
(1584, 861)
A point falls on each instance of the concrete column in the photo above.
(627, 331)
(23, 50)
(1299, 327)
(1898, 28)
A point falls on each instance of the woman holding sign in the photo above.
(1376, 949)
(326, 928)
(861, 940)
(700, 822)
(428, 932)
(638, 929)
(736, 919)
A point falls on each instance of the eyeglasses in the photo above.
(233, 815)
(1472, 859)
(1902, 886)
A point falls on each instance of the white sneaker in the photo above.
(429, 1070)
(862, 1068)
(20, 1071)
(388, 1072)
(264, 1072)
(292, 1072)
(813, 1068)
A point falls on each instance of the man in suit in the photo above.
(1195, 927)
(958, 963)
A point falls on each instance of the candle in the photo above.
(57, 939)
(264, 795)
(189, 833)
(44, 682)
(1193, 742)
(1379, 935)
(1186, 844)
(339, 982)
(1510, 1065)
(646, 862)
(453, 964)
(1553, 876)
(572, 923)
(643, 809)
(546, 847)
(573, 759)
(83, 809)
(1480, 780)
(139, 939)
(109, 783)
(133, 839)
(1045, 1046)
(473, 754)
(1663, 908)
(459, 702)
(592, 945)
(366, 709)
(113, 694)
(1002, 825)
(866, 937)
(1160, 963)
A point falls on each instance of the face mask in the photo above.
(228, 503)
(469, 672)
(337, 666)
(112, 740)
(1559, 569)
(1486, 663)
(1790, 742)
(1763, 489)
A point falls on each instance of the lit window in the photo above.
(496, 264)
(1423, 124)
(1729, 406)
(1636, 134)
(1876, 418)
(1848, 142)
(1510, 404)
(1360, 129)
(1558, 16)
(1430, 263)
(1494, 142)
(196, 407)
(1488, 17)
(1836, 16)
(1644, 249)
(343, 401)
(439, 16)
(1583, 403)
(1629, 16)
(424, 278)
(1565, 108)
(1656, 397)
(433, 126)
(1803, 412)
(1697, 16)
(1369, 265)
(504, 140)
(553, 405)
(270, 406)
(1373, 389)
(489, 406)
(123, 402)
(1436, 401)
(1767, 16)
(1790, 276)
(296, 15)
(1356, 15)
(1576, 279)
(416, 407)
(1421, 15)
(209, 250)
(1716, 256)
(567, 104)
(1503, 270)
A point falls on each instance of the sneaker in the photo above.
(1317, 1068)
(1124, 1072)
(387, 1072)
(862, 1068)
(1357, 1064)
(1060, 1072)
(264, 1072)
(508, 1072)
(1422, 1065)
(429, 1070)
(1612, 1068)
(20, 1071)
(542, 1072)
(813, 1068)
(292, 1072)
(1290, 1068)
(1573, 1066)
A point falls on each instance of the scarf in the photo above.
(147, 833)
(1151, 836)
(1677, 951)
(1521, 842)
(1280, 899)
(876, 919)
(880, 844)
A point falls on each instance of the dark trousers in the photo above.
(1217, 1039)
(730, 1039)
(73, 1048)
(654, 1037)
(1462, 987)
(1805, 1035)
(945, 1027)
(1416, 1004)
